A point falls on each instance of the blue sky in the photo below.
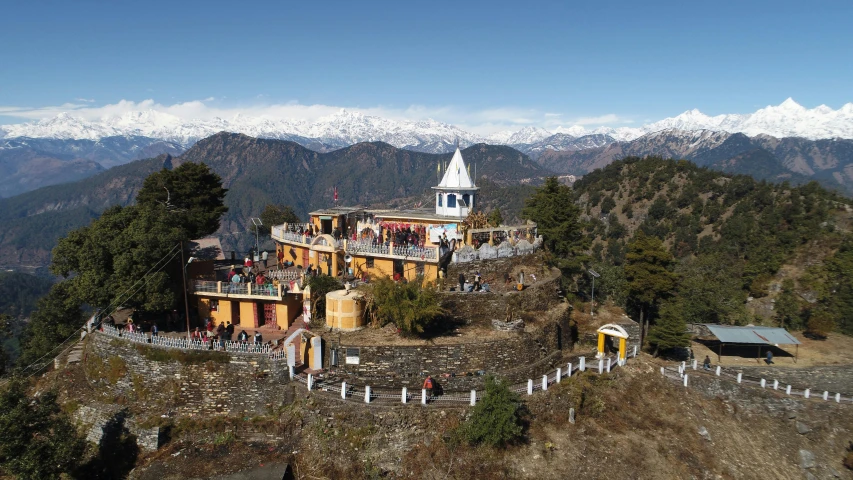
(615, 63)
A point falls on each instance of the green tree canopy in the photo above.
(277, 215)
(495, 217)
(788, 307)
(191, 192)
(648, 267)
(37, 441)
(557, 217)
(58, 315)
(670, 329)
(710, 289)
(495, 420)
(131, 255)
(412, 307)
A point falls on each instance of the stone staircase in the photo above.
(75, 355)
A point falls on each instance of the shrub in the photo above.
(495, 420)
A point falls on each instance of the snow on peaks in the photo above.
(346, 127)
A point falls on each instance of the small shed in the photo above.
(751, 335)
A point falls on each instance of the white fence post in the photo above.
(739, 377)
(663, 371)
(775, 384)
(635, 351)
(404, 397)
(344, 390)
(559, 374)
(683, 366)
(367, 394)
(423, 396)
(608, 364)
(569, 370)
(600, 366)
(694, 364)
(310, 381)
(290, 371)
(719, 369)
(582, 364)
(685, 380)
(530, 386)
(788, 390)
(806, 393)
(544, 382)
(473, 397)
(837, 398)
(763, 383)
(825, 395)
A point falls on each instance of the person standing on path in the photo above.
(461, 282)
(707, 363)
(428, 386)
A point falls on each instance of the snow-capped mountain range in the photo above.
(346, 127)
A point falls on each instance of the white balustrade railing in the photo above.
(229, 346)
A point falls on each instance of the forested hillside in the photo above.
(257, 172)
(725, 240)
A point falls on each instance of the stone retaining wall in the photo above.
(517, 357)
(226, 385)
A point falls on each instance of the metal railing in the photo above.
(229, 288)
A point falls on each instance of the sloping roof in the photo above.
(456, 175)
(756, 335)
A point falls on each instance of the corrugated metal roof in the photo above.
(757, 335)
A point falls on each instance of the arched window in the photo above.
(439, 199)
(451, 201)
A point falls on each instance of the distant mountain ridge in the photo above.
(256, 172)
(829, 161)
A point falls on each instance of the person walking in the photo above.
(461, 282)
(428, 386)
(769, 359)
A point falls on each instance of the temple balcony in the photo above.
(400, 252)
(251, 291)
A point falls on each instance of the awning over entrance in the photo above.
(752, 335)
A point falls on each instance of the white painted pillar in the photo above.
(763, 383)
(608, 364)
(568, 370)
(367, 394)
(290, 371)
(788, 390)
(344, 390)
(635, 351)
(559, 374)
(404, 396)
(825, 395)
(310, 381)
(600, 366)
(544, 382)
(582, 364)
(685, 380)
(530, 386)
(694, 364)
(806, 393)
(719, 369)
(317, 347)
(423, 396)
(837, 398)
(775, 384)
(291, 355)
(739, 377)
(473, 397)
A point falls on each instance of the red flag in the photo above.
(336, 193)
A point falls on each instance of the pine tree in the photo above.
(557, 218)
(650, 279)
(494, 421)
(670, 329)
(495, 217)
